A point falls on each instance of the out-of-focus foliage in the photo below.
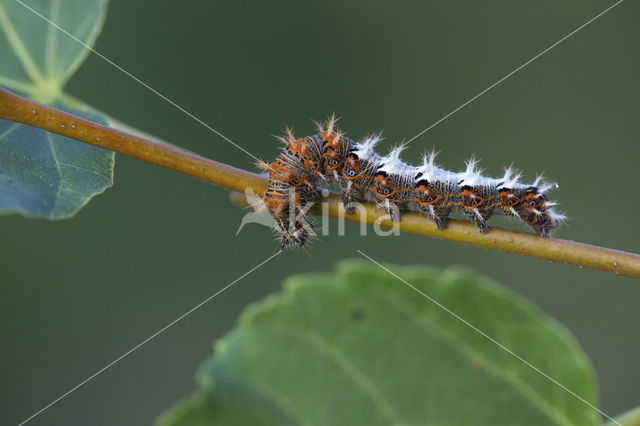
(361, 347)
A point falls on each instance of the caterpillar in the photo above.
(362, 174)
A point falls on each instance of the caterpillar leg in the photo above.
(392, 210)
(439, 216)
(294, 227)
(347, 194)
(347, 203)
(480, 218)
(482, 226)
(477, 216)
(295, 235)
(441, 221)
(543, 223)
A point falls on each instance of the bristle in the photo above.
(319, 126)
(290, 137)
(546, 187)
(392, 163)
(538, 180)
(365, 149)
(472, 176)
(262, 165)
(331, 122)
(431, 159)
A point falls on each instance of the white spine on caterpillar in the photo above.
(364, 150)
(428, 171)
(472, 176)
(510, 180)
(431, 172)
(391, 164)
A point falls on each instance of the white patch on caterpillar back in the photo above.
(364, 150)
(472, 176)
(510, 180)
(392, 165)
(431, 172)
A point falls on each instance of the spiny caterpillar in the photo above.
(393, 185)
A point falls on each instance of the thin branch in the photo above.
(19, 109)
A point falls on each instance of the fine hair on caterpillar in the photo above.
(363, 175)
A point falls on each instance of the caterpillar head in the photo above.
(296, 238)
(294, 232)
(535, 209)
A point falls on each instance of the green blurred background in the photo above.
(78, 293)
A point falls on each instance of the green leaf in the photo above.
(47, 175)
(361, 347)
(43, 174)
(36, 56)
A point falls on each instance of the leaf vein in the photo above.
(52, 35)
(18, 46)
(14, 126)
(278, 398)
(471, 353)
(334, 354)
(61, 181)
(85, 169)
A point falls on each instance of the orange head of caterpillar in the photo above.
(383, 186)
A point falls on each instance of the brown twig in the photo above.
(22, 110)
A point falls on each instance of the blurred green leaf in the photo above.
(361, 347)
(39, 58)
(43, 174)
